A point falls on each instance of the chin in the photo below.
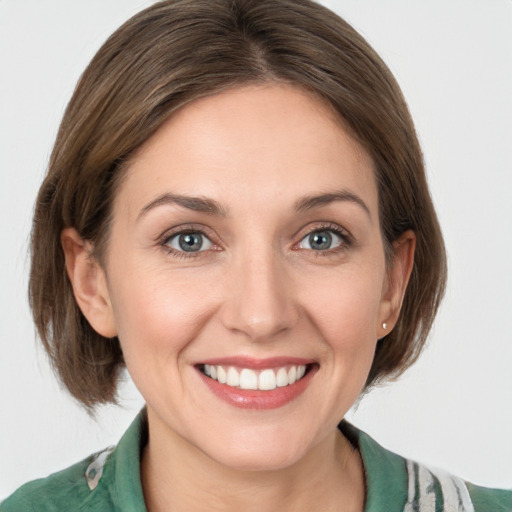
(253, 450)
(256, 460)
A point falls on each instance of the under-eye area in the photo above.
(251, 379)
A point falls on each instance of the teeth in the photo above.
(265, 380)
(233, 378)
(248, 379)
(221, 375)
(282, 378)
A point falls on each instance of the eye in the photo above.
(322, 240)
(190, 241)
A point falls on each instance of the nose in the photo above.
(259, 298)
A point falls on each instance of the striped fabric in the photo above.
(422, 483)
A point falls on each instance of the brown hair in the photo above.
(175, 52)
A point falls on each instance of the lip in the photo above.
(256, 399)
(258, 364)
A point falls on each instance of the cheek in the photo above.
(348, 328)
(345, 311)
(157, 313)
(347, 302)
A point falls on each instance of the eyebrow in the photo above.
(212, 207)
(310, 202)
(197, 204)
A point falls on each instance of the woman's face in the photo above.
(245, 238)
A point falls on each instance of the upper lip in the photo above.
(257, 363)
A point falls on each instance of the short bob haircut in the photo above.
(171, 54)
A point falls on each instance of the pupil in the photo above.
(190, 242)
(320, 241)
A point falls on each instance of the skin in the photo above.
(257, 289)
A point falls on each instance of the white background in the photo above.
(453, 59)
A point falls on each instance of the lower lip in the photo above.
(256, 399)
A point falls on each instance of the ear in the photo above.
(89, 283)
(396, 283)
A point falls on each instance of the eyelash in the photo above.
(184, 230)
(346, 241)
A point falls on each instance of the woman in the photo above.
(236, 209)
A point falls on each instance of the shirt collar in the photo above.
(126, 487)
(385, 472)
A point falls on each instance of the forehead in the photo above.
(263, 142)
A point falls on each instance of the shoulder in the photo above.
(69, 489)
(434, 489)
(107, 481)
(490, 500)
(407, 486)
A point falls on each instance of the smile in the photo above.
(266, 379)
(258, 384)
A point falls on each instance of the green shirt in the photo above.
(109, 481)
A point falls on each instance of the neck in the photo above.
(176, 476)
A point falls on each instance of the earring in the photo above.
(385, 326)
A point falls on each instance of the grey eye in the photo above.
(189, 242)
(321, 241)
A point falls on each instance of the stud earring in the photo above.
(385, 326)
